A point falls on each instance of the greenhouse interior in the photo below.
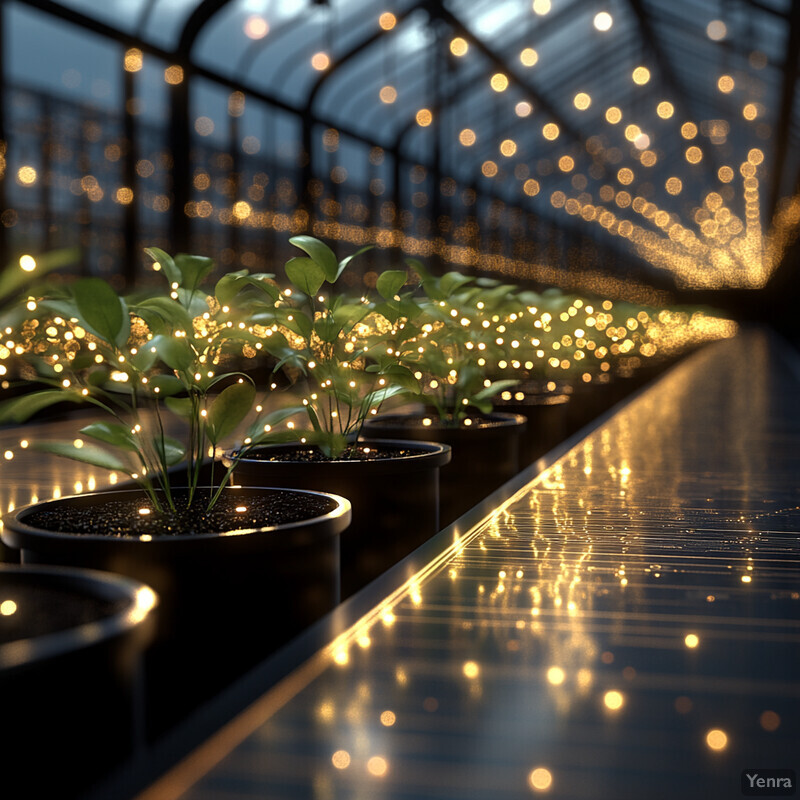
(399, 400)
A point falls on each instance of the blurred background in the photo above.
(642, 150)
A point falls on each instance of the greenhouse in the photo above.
(398, 400)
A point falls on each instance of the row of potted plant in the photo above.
(278, 382)
(453, 344)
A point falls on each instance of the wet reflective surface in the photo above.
(625, 626)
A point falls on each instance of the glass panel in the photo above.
(165, 21)
(121, 14)
(62, 115)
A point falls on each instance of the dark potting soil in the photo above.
(359, 452)
(28, 611)
(137, 516)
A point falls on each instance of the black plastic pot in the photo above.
(546, 417)
(395, 501)
(587, 402)
(227, 600)
(71, 643)
(485, 455)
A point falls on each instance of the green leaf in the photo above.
(419, 268)
(66, 308)
(293, 359)
(83, 360)
(327, 328)
(99, 376)
(345, 261)
(390, 282)
(193, 269)
(493, 389)
(144, 359)
(174, 351)
(228, 286)
(112, 433)
(484, 406)
(194, 302)
(229, 408)
(376, 398)
(452, 281)
(88, 454)
(20, 409)
(301, 324)
(266, 282)
(163, 314)
(332, 444)
(320, 254)
(401, 376)
(313, 417)
(350, 314)
(165, 261)
(170, 451)
(470, 378)
(167, 385)
(280, 437)
(103, 311)
(256, 431)
(181, 407)
(305, 274)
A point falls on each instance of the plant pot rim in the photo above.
(499, 419)
(535, 399)
(135, 618)
(431, 454)
(16, 531)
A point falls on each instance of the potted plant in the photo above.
(222, 559)
(71, 644)
(448, 338)
(337, 356)
(534, 350)
(19, 284)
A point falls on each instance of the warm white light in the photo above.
(603, 21)
(459, 47)
(320, 61)
(523, 109)
(7, 608)
(540, 779)
(256, 27)
(717, 739)
(388, 94)
(556, 676)
(716, 30)
(377, 766)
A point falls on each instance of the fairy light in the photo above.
(320, 61)
(603, 21)
(387, 21)
(459, 47)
